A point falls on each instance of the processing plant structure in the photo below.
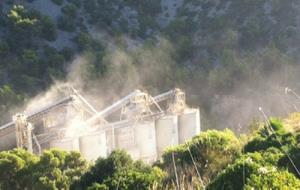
(139, 123)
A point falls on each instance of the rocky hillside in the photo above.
(230, 56)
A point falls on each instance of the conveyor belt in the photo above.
(42, 111)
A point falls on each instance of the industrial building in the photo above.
(139, 123)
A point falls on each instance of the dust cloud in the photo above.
(153, 69)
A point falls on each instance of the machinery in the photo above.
(135, 123)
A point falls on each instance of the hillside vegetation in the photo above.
(268, 158)
(218, 51)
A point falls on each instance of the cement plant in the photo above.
(139, 123)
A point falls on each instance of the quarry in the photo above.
(139, 123)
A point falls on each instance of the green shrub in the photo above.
(69, 10)
(212, 151)
(120, 171)
(48, 29)
(240, 173)
(66, 23)
(271, 136)
(272, 178)
(285, 162)
(58, 2)
(54, 169)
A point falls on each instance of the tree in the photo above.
(272, 178)
(54, 169)
(8, 100)
(70, 10)
(58, 2)
(212, 151)
(23, 25)
(83, 40)
(12, 164)
(246, 169)
(48, 29)
(119, 171)
(66, 23)
(274, 135)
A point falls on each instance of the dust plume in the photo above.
(224, 102)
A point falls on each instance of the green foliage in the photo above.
(69, 10)
(273, 178)
(66, 23)
(48, 29)
(76, 3)
(97, 186)
(54, 169)
(119, 171)
(269, 163)
(246, 169)
(212, 151)
(271, 136)
(294, 154)
(58, 2)
(4, 48)
(18, 15)
(83, 40)
(9, 99)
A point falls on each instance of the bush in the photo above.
(66, 23)
(83, 40)
(69, 10)
(241, 172)
(54, 169)
(212, 151)
(48, 29)
(272, 178)
(285, 162)
(267, 137)
(119, 171)
(58, 2)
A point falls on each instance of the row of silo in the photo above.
(147, 140)
(90, 145)
(138, 139)
(176, 129)
(143, 140)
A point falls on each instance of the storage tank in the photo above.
(109, 140)
(93, 145)
(166, 132)
(145, 140)
(189, 124)
(8, 139)
(124, 138)
(68, 144)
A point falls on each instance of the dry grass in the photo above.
(292, 122)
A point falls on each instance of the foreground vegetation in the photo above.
(267, 158)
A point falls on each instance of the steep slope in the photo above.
(231, 56)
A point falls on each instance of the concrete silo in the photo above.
(166, 132)
(124, 140)
(93, 145)
(8, 139)
(124, 137)
(189, 124)
(145, 140)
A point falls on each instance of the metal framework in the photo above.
(136, 106)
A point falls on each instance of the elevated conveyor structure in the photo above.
(141, 124)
